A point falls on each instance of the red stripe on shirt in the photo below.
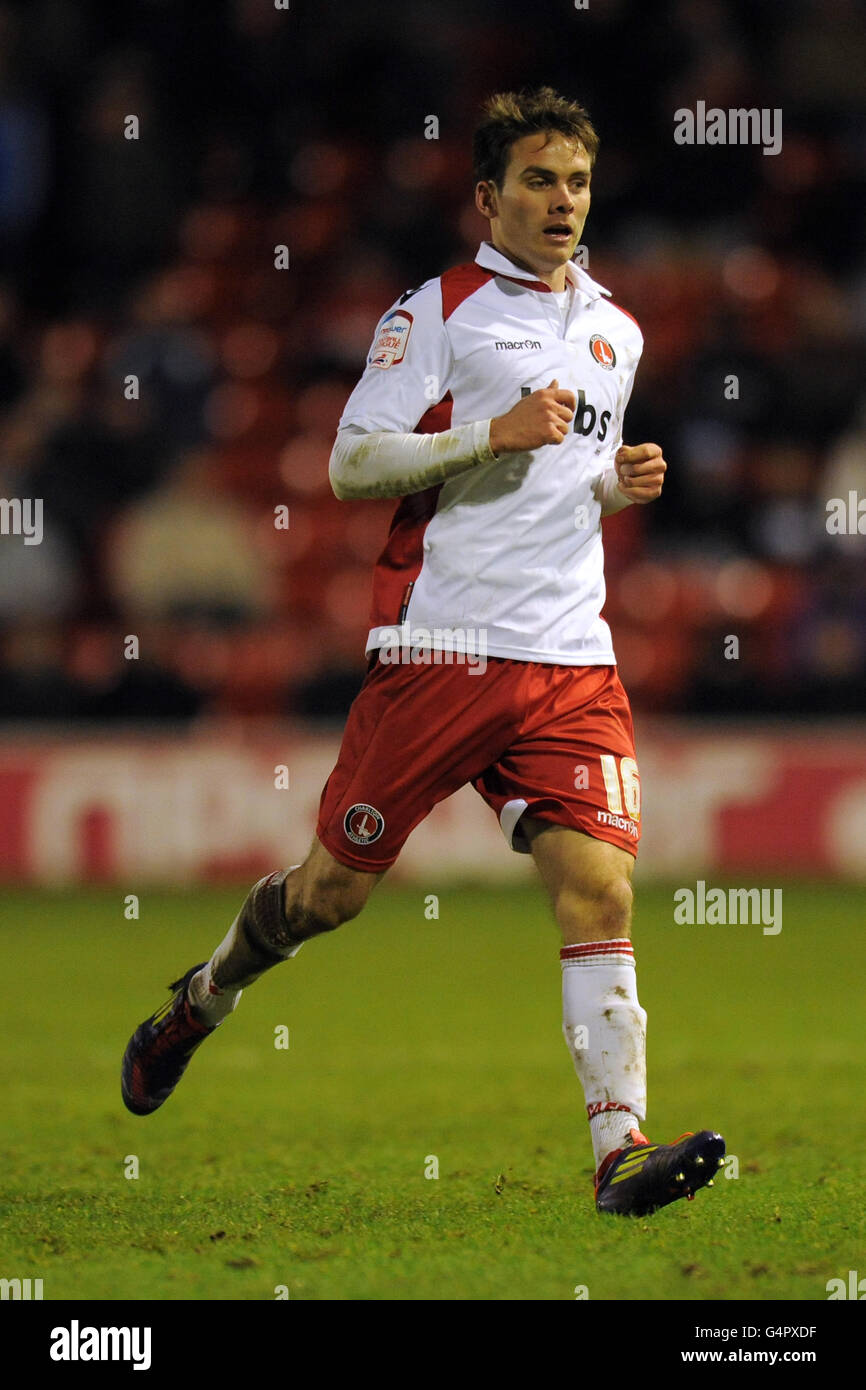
(458, 283)
(528, 284)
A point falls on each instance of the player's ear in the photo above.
(485, 198)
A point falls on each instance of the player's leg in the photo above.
(588, 882)
(568, 792)
(280, 913)
(415, 734)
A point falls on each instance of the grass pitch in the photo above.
(412, 1040)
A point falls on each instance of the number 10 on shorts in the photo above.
(622, 785)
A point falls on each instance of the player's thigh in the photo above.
(587, 880)
(328, 889)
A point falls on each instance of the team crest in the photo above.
(390, 345)
(602, 352)
(363, 824)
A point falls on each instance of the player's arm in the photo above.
(635, 473)
(379, 451)
(390, 463)
(640, 471)
(385, 463)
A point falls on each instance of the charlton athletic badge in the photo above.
(602, 352)
(363, 824)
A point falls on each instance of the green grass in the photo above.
(411, 1038)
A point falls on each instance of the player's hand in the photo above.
(640, 470)
(544, 417)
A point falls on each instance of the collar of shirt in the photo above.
(490, 259)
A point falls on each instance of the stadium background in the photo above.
(155, 257)
(139, 798)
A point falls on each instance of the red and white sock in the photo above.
(210, 1003)
(234, 961)
(605, 1029)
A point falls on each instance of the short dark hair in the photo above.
(508, 116)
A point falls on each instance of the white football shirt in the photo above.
(511, 548)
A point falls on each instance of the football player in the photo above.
(492, 406)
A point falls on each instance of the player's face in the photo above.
(537, 215)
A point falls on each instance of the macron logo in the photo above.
(521, 343)
(76, 1343)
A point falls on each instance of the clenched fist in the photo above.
(543, 417)
(640, 470)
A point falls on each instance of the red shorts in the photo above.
(555, 742)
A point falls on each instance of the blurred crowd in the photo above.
(172, 395)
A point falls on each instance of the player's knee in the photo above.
(615, 905)
(603, 911)
(330, 896)
(323, 910)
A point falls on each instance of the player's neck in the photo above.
(554, 279)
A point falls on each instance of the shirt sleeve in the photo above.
(408, 368)
(386, 463)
